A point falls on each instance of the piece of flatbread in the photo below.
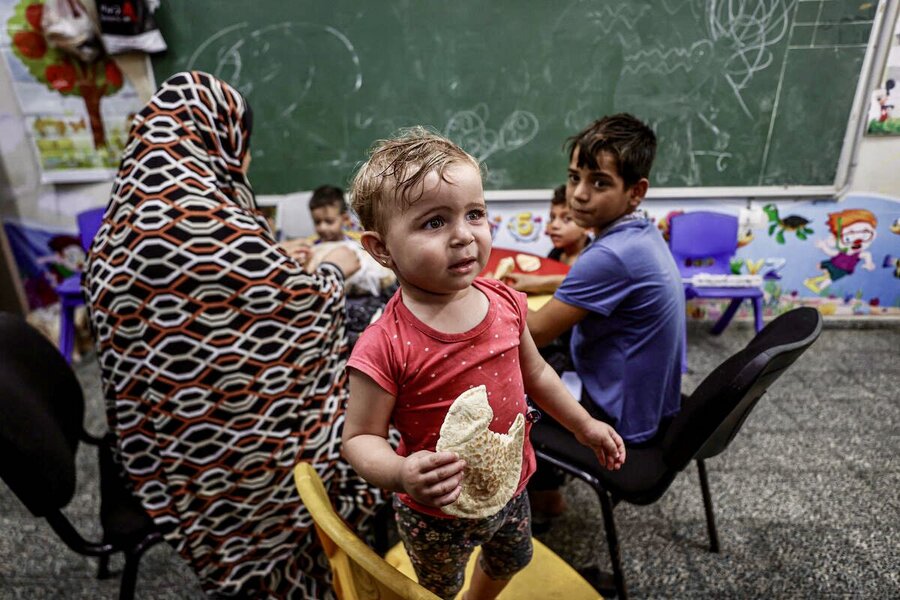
(528, 263)
(504, 267)
(493, 460)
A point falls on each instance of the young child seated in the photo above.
(332, 221)
(568, 238)
(623, 298)
(420, 200)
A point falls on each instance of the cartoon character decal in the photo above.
(525, 226)
(663, 224)
(892, 262)
(852, 232)
(799, 225)
(66, 259)
(494, 223)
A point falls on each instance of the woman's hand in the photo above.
(605, 442)
(433, 478)
(298, 249)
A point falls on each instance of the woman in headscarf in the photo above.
(222, 360)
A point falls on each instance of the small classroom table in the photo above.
(548, 267)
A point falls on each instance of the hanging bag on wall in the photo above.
(69, 26)
(128, 25)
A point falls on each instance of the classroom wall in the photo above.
(25, 201)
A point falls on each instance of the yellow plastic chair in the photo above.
(359, 573)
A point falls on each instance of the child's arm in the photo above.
(431, 478)
(828, 246)
(552, 320)
(543, 385)
(534, 284)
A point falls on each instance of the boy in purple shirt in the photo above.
(623, 299)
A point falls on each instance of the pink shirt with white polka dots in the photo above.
(426, 369)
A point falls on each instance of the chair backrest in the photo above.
(711, 416)
(41, 412)
(703, 242)
(89, 222)
(358, 572)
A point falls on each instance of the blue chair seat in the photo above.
(703, 242)
(71, 286)
(69, 291)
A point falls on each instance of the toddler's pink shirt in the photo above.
(425, 370)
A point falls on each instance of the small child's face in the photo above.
(564, 232)
(858, 236)
(329, 223)
(597, 197)
(442, 242)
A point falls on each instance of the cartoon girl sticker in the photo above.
(852, 232)
(66, 260)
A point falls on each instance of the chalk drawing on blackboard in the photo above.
(611, 18)
(751, 28)
(664, 61)
(469, 129)
(735, 42)
(249, 58)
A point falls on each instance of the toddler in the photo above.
(420, 200)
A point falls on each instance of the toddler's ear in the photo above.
(374, 245)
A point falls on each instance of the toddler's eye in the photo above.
(477, 214)
(434, 223)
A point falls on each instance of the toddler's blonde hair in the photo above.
(384, 184)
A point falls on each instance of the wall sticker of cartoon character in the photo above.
(852, 233)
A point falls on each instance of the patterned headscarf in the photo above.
(223, 362)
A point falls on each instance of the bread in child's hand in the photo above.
(493, 460)
(506, 266)
(528, 263)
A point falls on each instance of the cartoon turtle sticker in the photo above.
(799, 225)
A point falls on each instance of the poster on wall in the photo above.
(884, 108)
(77, 113)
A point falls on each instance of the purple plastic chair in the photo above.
(705, 242)
(69, 291)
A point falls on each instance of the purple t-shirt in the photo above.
(627, 350)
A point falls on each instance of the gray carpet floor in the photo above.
(807, 497)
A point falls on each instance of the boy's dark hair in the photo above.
(328, 195)
(630, 142)
(559, 195)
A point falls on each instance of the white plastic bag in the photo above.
(69, 26)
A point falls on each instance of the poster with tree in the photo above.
(77, 113)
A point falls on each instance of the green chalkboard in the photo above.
(740, 92)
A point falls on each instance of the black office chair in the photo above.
(708, 421)
(41, 415)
